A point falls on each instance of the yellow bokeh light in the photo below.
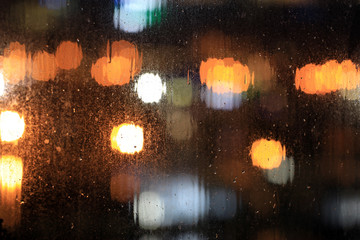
(267, 154)
(12, 126)
(127, 138)
(11, 173)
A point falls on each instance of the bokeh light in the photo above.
(68, 55)
(181, 200)
(43, 66)
(119, 66)
(15, 63)
(225, 80)
(181, 125)
(328, 77)
(150, 210)
(150, 88)
(225, 75)
(283, 174)
(12, 126)
(135, 15)
(127, 138)
(267, 154)
(11, 173)
(179, 92)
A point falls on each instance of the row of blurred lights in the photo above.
(226, 79)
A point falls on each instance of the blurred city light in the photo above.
(283, 174)
(127, 138)
(342, 210)
(15, 63)
(12, 126)
(43, 66)
(328, 77)
(150, 88)
(181, 200)
(120, 64)
(181, 125)
(179, 92)
(135, 15)
(225, 79)
(68, 55)
(267, 154)
(11, 173)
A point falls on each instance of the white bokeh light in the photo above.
(12, 126)
(181, 200)
(151, 210)
(283, 174)
(150, 88)
(127, 138)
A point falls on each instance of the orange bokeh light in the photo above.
(11, 173)
(267, 154)
(44, 66)
(119, 66)
(15, 63)
(68, 55)
(326, 78)
(225, 75)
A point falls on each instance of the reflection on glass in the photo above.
(2, 84)
(12, 126)
(282, 174)
(150, 88)
(119, 66)
(123, 187)
(127, 138)
(267, 154)
(342, 210)
(328, 77)
(179, 92)
(181, 200)
(180, 125)
(135, 15)
(68, 55)
(11, 173)
(225, 79)
(43, 66)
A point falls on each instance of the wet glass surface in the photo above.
(183, 119)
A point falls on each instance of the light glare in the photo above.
(150, 88)
(127, 138)
(11, 173)
(12, 126)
